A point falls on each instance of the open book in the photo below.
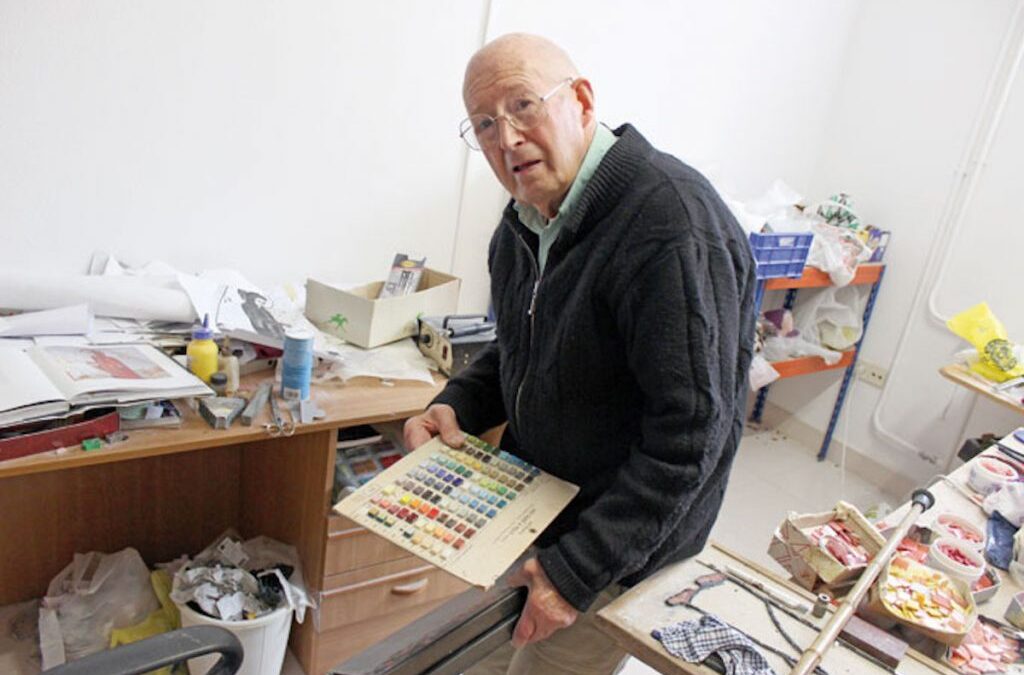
(52, 380)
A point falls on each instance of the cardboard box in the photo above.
(787, 556)
(812, 566)
(358, 316)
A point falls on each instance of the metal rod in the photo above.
(921, 501)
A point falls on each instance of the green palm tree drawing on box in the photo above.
(339, 321)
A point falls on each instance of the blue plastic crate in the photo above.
(780, 254)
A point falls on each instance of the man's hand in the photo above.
(437, 419)
(546, 611)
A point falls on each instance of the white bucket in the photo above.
(264, 640)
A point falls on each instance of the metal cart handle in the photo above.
(162, 650)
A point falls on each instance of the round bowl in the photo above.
(957, 559)
(953, 526)
(988, 474)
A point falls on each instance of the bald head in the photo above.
(519, 53)
(537, 159)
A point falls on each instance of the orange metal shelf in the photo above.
(810, 364)
(815, 278)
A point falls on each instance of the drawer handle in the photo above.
(409, 589)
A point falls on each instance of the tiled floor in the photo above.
(772, 475)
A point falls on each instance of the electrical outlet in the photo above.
(872, 373)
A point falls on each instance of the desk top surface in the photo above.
(964, 377)
(359, 401)
(631, 618)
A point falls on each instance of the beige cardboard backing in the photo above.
(494, 547)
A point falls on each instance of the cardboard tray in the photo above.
(876, 606)
(808, 563)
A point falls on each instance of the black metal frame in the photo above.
(162, 650)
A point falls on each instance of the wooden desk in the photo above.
(965, 378)
(171, 492)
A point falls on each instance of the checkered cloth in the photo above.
(694, 641)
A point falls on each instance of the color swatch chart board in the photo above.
(471, 511)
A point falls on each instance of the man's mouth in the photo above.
(517, 168)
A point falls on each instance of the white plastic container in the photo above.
(939, 560)
(955, 527)
(988, 474)
(264, 640)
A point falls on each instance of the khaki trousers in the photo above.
(580, 649)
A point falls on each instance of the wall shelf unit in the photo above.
(867, 274)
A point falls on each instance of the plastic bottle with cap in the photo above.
(201, 353)
(227, 363)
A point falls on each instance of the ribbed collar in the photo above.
(611, 179)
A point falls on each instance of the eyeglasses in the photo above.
(523, 112)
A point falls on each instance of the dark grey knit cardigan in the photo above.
(623, 368)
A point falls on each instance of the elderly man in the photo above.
(623, 292)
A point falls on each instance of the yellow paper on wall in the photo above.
(997, 360)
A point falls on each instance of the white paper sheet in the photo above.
(137, 297)
(401, 360)
(72, 320)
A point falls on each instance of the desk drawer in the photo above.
(382, 589)
(351, 546)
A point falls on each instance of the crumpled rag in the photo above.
(694, 641)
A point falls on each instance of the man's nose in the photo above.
(508, 135)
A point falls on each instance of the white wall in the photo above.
(295, 138)
(280, 138)
(913, 85)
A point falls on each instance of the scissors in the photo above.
(277, 426)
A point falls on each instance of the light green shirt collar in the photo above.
(547, 230)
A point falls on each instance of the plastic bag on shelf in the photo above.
(782, 348)
(831, 317)
(837, 251)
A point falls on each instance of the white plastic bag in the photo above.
(90, 597)
(837, 251)
(831, 317)
(1009, 501)
(781, 348)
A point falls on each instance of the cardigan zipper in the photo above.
(531, 311)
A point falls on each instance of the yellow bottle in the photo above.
(201, 353)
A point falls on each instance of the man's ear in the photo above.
(585, 97)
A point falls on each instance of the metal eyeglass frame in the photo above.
(511, 120)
